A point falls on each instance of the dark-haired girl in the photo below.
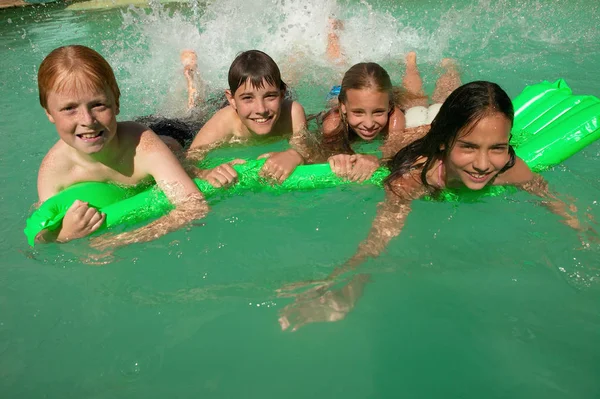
(467, 146)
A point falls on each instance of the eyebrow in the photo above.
(362, 109)
(246, 93)
(473, 144)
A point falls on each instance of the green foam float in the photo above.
(551, 124)
(128, 206)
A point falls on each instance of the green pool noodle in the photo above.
(128, 206)
(550, 125)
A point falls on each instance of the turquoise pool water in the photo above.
(495, 299)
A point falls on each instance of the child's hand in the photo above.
(321, 305)
(80, 220)
(363, 167)
(223, 175)
(341, 164)
(280, 165)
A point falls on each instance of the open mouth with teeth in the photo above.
(479, 177)
(91, 137)
(262, 120)
(368, 133)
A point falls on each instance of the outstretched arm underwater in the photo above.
(324, 303)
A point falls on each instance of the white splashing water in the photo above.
(294, 33)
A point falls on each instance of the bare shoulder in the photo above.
(142, 143)
(297, 110)
(518, 174)
(397, 121)
(224, 124)
(298, 116)
(331, 121)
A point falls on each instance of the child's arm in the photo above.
(522, 177)
(324, 303)
(80, 219)
(280, 165)
(155, 159)
(388, 223)
(213, 134)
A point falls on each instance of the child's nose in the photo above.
(86, 117)
(260, 107)
(482, 162)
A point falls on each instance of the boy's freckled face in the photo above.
(258, 108)
(85, 119)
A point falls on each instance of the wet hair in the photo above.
(461, 111)
(256, 67)
(365, 75)
(75, 65)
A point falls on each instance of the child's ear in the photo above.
(230, 99)
(50, 118)
(343, 108)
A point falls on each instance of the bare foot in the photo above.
(189, 59)
(335, 24)
(411, 60)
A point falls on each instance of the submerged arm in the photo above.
(522, 177)
(538, 186)
(179, 188)
(388, 223)
(323, 303)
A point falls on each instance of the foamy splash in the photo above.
(484, 36)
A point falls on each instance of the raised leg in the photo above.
(334, 49)
(190, 64)
(413, 83)
(447, 82)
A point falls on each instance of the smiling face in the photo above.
(85, 118)
(367, 111)
(259, 108)
(480, 153)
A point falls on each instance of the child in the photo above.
(369, 106)
(467, 146)
(80, 95)
(257, 107)
(366, 110)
